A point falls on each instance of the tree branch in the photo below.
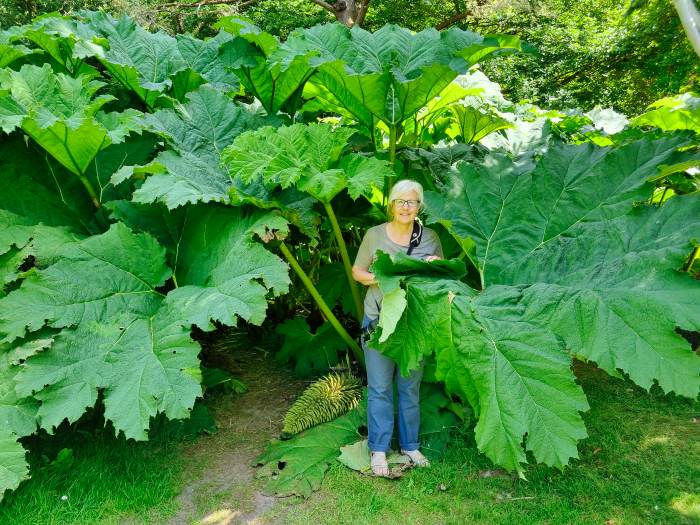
(185, 5)
(362, 12)
(454, 18)
(325, 5)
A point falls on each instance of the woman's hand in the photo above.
(431, 258)
(363, 276)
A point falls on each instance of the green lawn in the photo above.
(640, 464)
(108, 481)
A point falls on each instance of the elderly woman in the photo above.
(401, 234)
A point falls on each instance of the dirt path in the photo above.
(221, 489)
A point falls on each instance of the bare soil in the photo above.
(221, 487)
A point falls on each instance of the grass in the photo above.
(105, 480)
(639, 465)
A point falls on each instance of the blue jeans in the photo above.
(381, 371)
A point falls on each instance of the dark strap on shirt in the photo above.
(416, 237)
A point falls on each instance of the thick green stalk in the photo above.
(346, 260)
(322, 304)
(694, 255)
(392, 159)
(91, 191)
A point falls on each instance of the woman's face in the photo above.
(405, 214)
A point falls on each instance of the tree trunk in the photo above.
(347, 12)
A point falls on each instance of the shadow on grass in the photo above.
(85, 475)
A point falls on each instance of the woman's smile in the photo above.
(405, 207)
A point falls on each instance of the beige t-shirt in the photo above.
(377, 238)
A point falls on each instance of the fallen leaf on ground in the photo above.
(357, 457)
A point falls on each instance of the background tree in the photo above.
(587, 53)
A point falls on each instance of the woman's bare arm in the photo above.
(363, 276)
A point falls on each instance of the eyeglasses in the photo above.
(410, 203)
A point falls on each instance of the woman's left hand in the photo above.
(431, 258)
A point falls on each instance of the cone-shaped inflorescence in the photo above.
(331, 396)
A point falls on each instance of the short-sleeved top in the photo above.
(377, 238)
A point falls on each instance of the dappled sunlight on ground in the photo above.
(220, 517)
(687, 504)
(652, 441)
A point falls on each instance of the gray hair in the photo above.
(404, 186)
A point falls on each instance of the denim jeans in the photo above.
(381, 371)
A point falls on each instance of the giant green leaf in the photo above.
(20, 239)
(672, 113)
(471, 125)
(309, 157)
(127, 342)
(121, 335)
(10, 48)
(391, 73)
(13, 466)
(144, 365)
(17, 412)
(277, 85)
(153, 64)
(41, 190)
(621, 299)
(198, 131)
(66, 377)
(61, 115)
(95, 279)
(142, 61)
(202, 65)
(514, 373)
(154, 368)
(221, 272)
(66, 40)
(53, 96)
(509, 214)
(297, 466)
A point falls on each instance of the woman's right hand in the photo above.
(363, 276)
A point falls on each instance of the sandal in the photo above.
(416, 458)
(379, 465)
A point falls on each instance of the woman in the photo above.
(397, 235)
